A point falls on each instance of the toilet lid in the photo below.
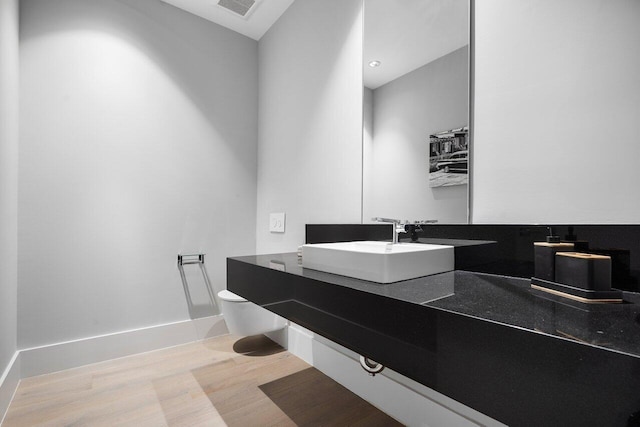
(225, 295)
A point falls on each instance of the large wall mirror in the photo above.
(416, 101)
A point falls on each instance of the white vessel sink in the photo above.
(380, 262)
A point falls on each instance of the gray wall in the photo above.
(557, 103)
(8, 182)
(310, 120)
(138, 142)
(404, 112)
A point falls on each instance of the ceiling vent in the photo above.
(239, 7)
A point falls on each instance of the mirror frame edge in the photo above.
(362, 6)
(471, 112)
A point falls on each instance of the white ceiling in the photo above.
(259, 19)
(402, 34)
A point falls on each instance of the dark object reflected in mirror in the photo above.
(449, 158)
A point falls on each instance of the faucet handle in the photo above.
(405, 222)
(390, 220)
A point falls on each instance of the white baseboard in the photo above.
(8, 384)
(71, 354)
(408, 401)
(412, 403)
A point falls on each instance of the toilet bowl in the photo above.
(245, 318)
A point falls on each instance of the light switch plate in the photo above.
(276, 222)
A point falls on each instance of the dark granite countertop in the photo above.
(521, 356)
(505, 300)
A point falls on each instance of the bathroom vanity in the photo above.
(491, 342)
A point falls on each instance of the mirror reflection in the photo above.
(416, 77)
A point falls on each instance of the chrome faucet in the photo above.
(400, 226)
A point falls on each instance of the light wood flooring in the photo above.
(221, 381)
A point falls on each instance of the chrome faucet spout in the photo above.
(405, 226)
(398, 228)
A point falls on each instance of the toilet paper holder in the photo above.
(190, 259)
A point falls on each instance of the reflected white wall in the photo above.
(403, 113)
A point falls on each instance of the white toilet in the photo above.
(245, 318)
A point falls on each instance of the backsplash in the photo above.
(513, 254)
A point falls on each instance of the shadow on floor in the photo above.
(310, 398)
(256, 346)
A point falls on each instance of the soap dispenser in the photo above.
(545, 255)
